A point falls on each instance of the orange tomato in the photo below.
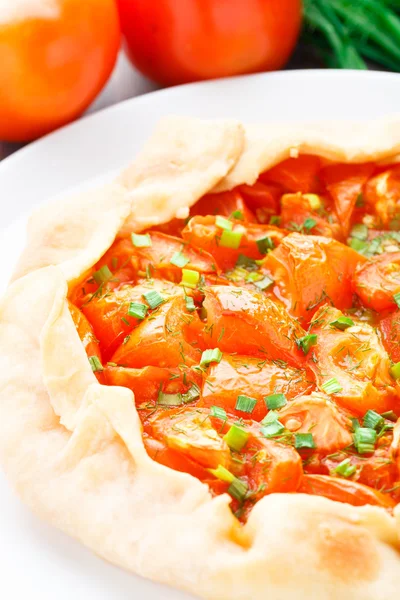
(378, 280)
(295, 174)
(382, 196)
(86, 333)
(390, 331)
(176, 42)
(262, 198)
(224, 203)
(53, 63)
(296, 209)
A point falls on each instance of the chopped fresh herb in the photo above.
(169, 399)
(236, 438)
(345, 468)
(245, 404)
(275, 401)
(218, 413)
(373, 420)
(102, 275)
(309, 224)
(332, 386)
(359, 232)
(114, 262)
(237, 214)
(153, 298)
(390, 416)
(396, 298)
(190, 306)
(395, 371)
(223, 223)
(141, 241)
(275, 220)
(223, 474)
(273, 429)
(190, 278)
(179, 260)
(265, 244)
(304, 440)
(342, 323)
(264, 283)
(125, 321)
(192, 394)
(356, 423)
(231, 239)
(238, 489)
(137, 310)
(360, 201)
(95, 364)
(305, 343)
(314, 201)
(246, 262)
(210, 356)
(364, 440)
(358, 245)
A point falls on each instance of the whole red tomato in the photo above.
(55, 57)
(176, 41)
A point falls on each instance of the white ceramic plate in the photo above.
(38, 562)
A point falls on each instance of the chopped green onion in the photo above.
(218, 413)
(345, 468)
(332, 386)
(238, 489)
(364, 440)
(304, 440)
(305, 343)
(237, 214)
(309, 223)
(190, 306)
(359, 232)
(95, 364)
(231, 239)
(275, 401)
(102, 275)
(373, 420)
(390, 416)
(210, 356)
(169, 399)
(223, 223)
(223, 474)
(245, 404)
(137, 310)
(273, 429)
(264, 283)
(179, 260)
(236, 438)
(358, 245)
(356, 423)
(270, 417)
(265, 244)
(396, 298)
(153, 298)
(360, 200)
(246, 262)
(395, 370)
(141, 241)
(275, 220)
(254, 277)
(314, 201)
(114, 262)
(192, 394)
(342, 323)
(190, 278)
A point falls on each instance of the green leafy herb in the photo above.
(273, 429)
(95, 364)
(342, 323)
(153, 298)
(373, 420)
(245, 404)
(345, 468)
(275, 401)
(304, 440)
(218, 413)
(305, 343)
(364, 440)
(209, 356)
(236, 438)
(332, 386)
(137, 310)
(102, 275)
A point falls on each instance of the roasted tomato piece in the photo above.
(295, 174)
(377, 281)
(309, 213)
(343, 490)
(108, 311)
(390, 331)
(206, 234)
(313, 270)
(190, 431)
(356, 360)
(263, 199)
(160, 340)
(382, 196)
(160, 452)
(317, 414)
(148, 382)
(250, 323)
(226, 204)
(345, 183)
(88, 338)
(239, 375)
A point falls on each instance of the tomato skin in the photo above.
(296, 209)
(262, 198)
(343, 490)
(378, 280)
(52, 68)
(176, 42)
(86, 333)
(382, 196)
(245, 375)
(390, 331)
(223, 203)
(295, 174)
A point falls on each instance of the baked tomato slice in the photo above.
(256, 378)
(226, 245)
(343, 490)
(250, 323)
(295, 174)
(160, 340)
(263, 199)
(390, 331)
(355, 360)
(311, 271)
(382, 196)
(226, 204)
(88, 338)
(378, 280)
(310, 214)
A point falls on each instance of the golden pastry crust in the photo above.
(73, 448)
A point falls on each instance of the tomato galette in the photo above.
(200, 363)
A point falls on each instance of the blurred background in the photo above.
(62, 58)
